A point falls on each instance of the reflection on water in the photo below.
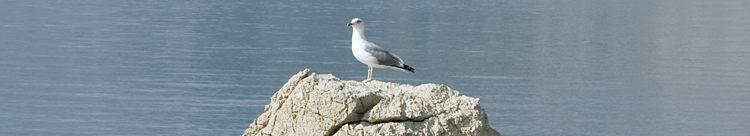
(540, 67)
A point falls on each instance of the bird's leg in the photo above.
(369, 75)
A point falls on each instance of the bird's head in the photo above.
(356, 22)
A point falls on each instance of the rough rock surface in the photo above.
(312, 104)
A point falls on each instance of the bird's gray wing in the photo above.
(384, 57)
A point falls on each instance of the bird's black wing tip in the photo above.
(408, 68)
(405, 68)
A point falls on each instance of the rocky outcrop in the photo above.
(312, 104)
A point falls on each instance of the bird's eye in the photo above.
(359, 21)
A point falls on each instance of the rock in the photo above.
(312, 104)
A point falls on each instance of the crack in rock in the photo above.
(391, 121)
(365, 106)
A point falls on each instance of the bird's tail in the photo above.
(405, 68)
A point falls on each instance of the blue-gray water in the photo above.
(540, 67)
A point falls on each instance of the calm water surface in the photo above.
(85, 67)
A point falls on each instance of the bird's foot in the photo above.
(366, 80)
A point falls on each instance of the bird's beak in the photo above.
(348, 24)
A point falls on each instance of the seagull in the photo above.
(371, 54)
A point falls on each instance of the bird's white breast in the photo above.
(359, 51)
